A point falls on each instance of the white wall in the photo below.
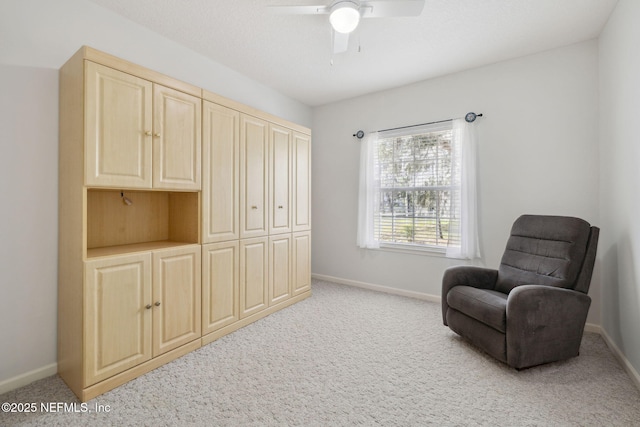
(45, 33)
(28, 218)
(620, 178)
(538, 153)
(36, 38)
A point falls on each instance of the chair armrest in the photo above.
(542, 322)
(466, 275)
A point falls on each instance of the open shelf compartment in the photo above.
(148, 220)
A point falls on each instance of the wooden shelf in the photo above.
(132, 248)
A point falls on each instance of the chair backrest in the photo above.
(548, 250)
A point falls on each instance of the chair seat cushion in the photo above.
(484, 305)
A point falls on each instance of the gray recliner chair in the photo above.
(533, 309)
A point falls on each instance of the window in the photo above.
(418, 193)
(414, 193)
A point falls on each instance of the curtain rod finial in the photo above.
(471, 117)
(359, 134)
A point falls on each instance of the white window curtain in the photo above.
(464, 146)
(368, 193)
(464, 142)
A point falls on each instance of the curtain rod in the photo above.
(469, 117)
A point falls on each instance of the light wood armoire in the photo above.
(183, 216)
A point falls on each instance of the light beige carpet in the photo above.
(348, 356)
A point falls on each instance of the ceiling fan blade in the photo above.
(340, 42)
(299, 10)
(391, 8)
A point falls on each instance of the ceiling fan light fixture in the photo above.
(344, 16)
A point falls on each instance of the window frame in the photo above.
(454, 186)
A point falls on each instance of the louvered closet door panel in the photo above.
(118, 124)
(220, 174)
(254, 175)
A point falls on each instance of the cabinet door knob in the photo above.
(157, 135)
(280, 207)
(148, 306)
(254, 207)
(148, 133)
(157, 303)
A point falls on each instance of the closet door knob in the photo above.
(148, 133)
(254, 207)
(157, 303)
(157, 135)
(148, 306)
(280, 207)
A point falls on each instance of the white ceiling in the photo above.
(292, 53)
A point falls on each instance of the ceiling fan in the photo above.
(344, 15)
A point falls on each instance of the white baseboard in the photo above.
(592, 327)
(379, 288)
(633, 373)
(28, 378)
(589, 327)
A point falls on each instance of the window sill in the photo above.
(413, 249)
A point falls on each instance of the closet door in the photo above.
(279, 179)
(176, 298)
(279, 268)
(220, 285)
(117, 315)
(254, 276)
(254, 175)
(176, 139)
(301, 182)
(118, 128)
(301, 250)
(220, 174)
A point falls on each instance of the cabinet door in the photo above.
(254, 276)
(118, 125)
(279, 268)
(176, 139)
(176, 298)
(301, 182)
(220, 174)
(279, 179)
(117, 315)
(220, 285)
(254, 175)
(301, 262)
